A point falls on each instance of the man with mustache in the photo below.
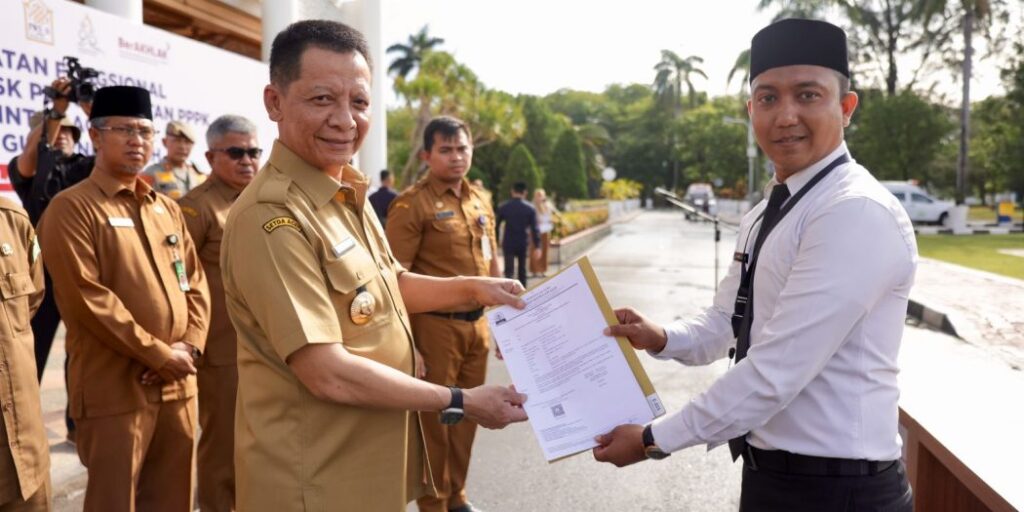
(442, 226)
(234, 155)
(325, 416)
(175, 175)
(133, 295)
(815, 300)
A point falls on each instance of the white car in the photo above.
(920, 206)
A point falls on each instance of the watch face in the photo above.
(655, 453)
(451, 416)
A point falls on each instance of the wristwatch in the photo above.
(651, 450)
(54, 115)
(453, 413)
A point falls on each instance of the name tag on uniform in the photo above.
(343, 246)
(447, 214)
(121, 222)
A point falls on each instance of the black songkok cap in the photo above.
(796, 41)
(121, 100)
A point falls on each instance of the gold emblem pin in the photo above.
(363, 307)
(6, 249)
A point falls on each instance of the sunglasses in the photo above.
(236, 153)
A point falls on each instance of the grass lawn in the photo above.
(976, 251)
(988, 213)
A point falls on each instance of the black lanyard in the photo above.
(743, 309)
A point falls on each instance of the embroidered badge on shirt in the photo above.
(342, 247)
(447, 214)
(188, 210)
(277, 222)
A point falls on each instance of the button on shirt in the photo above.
(830, 298)
(206, 210)
(24, 453)
(108, 250)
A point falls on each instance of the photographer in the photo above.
(39, 174)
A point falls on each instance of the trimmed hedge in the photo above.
(569, 223)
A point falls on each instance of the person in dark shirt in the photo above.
(381, 199)
(519, 217)
(37, 176)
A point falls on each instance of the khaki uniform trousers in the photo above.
(141, 460)
(455, 353)
(41, 501)
(215, 462)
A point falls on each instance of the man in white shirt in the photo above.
(817, 294)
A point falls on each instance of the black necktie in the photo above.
(771, 213)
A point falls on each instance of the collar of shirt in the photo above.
(316, 184)
(223, 189)
(111, 186)
(439, 188)
(797, 181)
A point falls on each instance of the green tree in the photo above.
(898, 137)
(521, 167)
(710, 149)
(566, 177)
(672, 72)
(542, 129)
(411, 53)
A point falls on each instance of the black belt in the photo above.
(785, 462)
(469, 316)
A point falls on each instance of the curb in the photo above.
(935, 319)
(972, 231)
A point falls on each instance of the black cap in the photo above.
(796, 41)
(121, 100)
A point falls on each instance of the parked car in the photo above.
(702, 197)
(920, 206)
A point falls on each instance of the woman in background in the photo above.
(546, 214)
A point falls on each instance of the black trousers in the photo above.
(512, 257)
(44, 329)
(768, 491)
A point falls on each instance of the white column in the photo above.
(127, 9)
(373, 157)
(276, 16)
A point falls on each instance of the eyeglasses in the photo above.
(130, 131)
(236, 153)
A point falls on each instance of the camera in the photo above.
(82, 88)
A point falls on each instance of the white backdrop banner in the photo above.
(189, 81)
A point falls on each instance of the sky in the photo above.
(541, 46)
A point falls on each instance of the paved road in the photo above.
(657, 263)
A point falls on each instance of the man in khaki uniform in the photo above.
(175, 175)
(233, 155)
(444, 227)
(24, 454)
(132, 293)
(321, 306)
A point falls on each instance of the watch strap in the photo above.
(456, 402)
(648, 437)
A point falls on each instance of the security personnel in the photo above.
(24, 454)
(233, 156)
(134, 298)
(320, 305)
(520, 219)
(175, 175)
(442, 226)
(811, 310)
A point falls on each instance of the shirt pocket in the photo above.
(16, 289)
(348, 275)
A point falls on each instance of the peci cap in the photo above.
(121, 100)
(795, 41)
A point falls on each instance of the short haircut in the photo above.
(844, 84)
(288, 47)
(448, 127)
(519, 187)
(385, 174)
(228, 123)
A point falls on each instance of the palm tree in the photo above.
(673, 71)
(411, 54)
(742, 64)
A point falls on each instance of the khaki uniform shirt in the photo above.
(24, 454)
(108, 250)
(298, 247)
(206, 210)
(173, 183)
(434, 232)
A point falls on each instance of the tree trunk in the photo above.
(890, 48)
(409, 174)
(965, 106)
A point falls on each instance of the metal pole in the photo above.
(718, 238)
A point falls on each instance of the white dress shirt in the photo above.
(830, 299)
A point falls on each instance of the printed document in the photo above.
(579, 383)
